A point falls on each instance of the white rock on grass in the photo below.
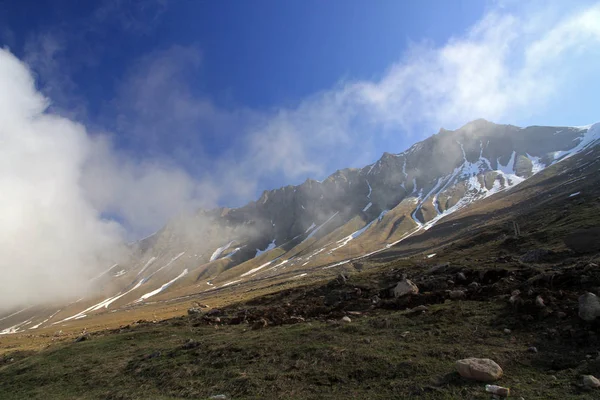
(405, 287)
(589, 306)
(479, 369)
(591, 382)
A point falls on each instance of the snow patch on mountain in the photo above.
(271, 246)
(217, 252)
(314, 231)
(163, 287)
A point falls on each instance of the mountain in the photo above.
(305, 231)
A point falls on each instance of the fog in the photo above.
(70, 198)
(63, 192)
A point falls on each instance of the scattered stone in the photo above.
(457, 294)
(214, 311)
(153, 355)
(190, 344)
(437, 268)
(479, 369)
(536, 255)
(194, 311)
(346, 319)
(497, 390)
(539, 302)
(532, 349)
(461, 276)
(367, 340)
(260, 324)
(405, 334)
(82, 338)
(405, 287)
(218, 397)
(515, 298)
(589, 306)
(507, 331)
(450, 282)
(591, 382)
(421, 308)
(473, 285)
(561, 314)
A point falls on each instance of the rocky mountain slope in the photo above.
(294, 231)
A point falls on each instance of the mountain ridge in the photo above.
(351, 213)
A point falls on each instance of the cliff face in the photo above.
(431, 179)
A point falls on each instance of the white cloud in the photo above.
(59, 184)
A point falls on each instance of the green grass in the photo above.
(373, 357)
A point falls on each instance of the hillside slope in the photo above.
(296, 232)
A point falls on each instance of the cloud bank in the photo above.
(70, 198)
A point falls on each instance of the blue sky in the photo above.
(240, 96)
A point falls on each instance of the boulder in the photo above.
(591, 382)
(346, 319)
(260, 324)
(82, 338)
(536, 255)
(457, 294)
(589, 306)
(405, 287)
(479, 369)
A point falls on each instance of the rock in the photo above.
(260, 324)
(437, 268)
(473, 285)
(213, 312)
(515, 299)
(82, 338)
(153, 355)
(536, 255)
(218, 397)
(194, 311)
(591, 382)
(539, 302)
(457, 294)
(532, 349)
(190, 344)
(498, 391)
(421, 308)
(589, 306)
(461, 277)
(507, 331)
(561, 314)
(405, 287)
(346, 319)
(479, 369)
